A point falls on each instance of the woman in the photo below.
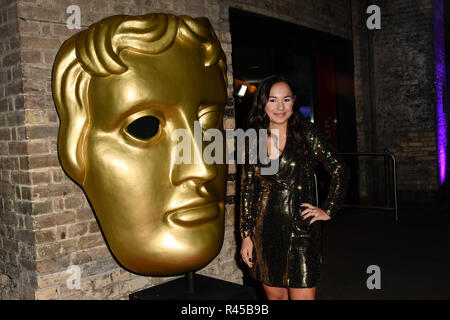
(280, 241)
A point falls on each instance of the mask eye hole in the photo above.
(143, 128)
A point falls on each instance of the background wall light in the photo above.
(242, 90)
(439, 62)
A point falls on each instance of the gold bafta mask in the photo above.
(122, 88)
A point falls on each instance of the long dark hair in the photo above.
(258, 118)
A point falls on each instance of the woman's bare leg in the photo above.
(276, 293)
(302, 293)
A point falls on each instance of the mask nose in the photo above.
(195, 175)
(199, 186)
(193, 169)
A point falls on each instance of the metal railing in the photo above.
(386, 156)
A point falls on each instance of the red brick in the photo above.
(4, 148)
(53, 117)
(5, 134)
(75, 230)
(25, 235)
(59, 176)
(93, 227)
(34, 101)
(10, 245)
(73, 202)
(40, 177)
(69, 246)
(11, 59)
(49, 57)
(17, 148)
(65, 218)
(58, 204)
(62, 30)
(46, 266)
(41, 132)
(81, 257)
(42, 207)
(48, 250)
(37, 147)
(28, 264)
(34, 87)
(91, 241)
(43, 221)
(43, 161)
(20, 177)
(36, 72)
(61, 232)
(16, 118)
(47, 13)
(31, 56)
(84, 214)
(45, 236)
(39, 43)
(29, 27)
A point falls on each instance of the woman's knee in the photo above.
(302, 293)
(276, 293)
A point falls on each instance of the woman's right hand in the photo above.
(246, 251)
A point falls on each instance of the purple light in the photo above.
(439, 62)
(306, 111)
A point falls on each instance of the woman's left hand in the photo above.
(315, 212)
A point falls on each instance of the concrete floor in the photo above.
(413, 254)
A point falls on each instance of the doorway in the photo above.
(320, 67)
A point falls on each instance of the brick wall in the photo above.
(395, 100)
(405, 94)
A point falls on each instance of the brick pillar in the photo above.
(16, 230)
(16, 235)
(405, 95)
(364, 92)
(395, 101)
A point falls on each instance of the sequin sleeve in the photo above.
(335, 166)
(248, 194)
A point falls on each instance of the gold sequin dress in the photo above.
(286, 248)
